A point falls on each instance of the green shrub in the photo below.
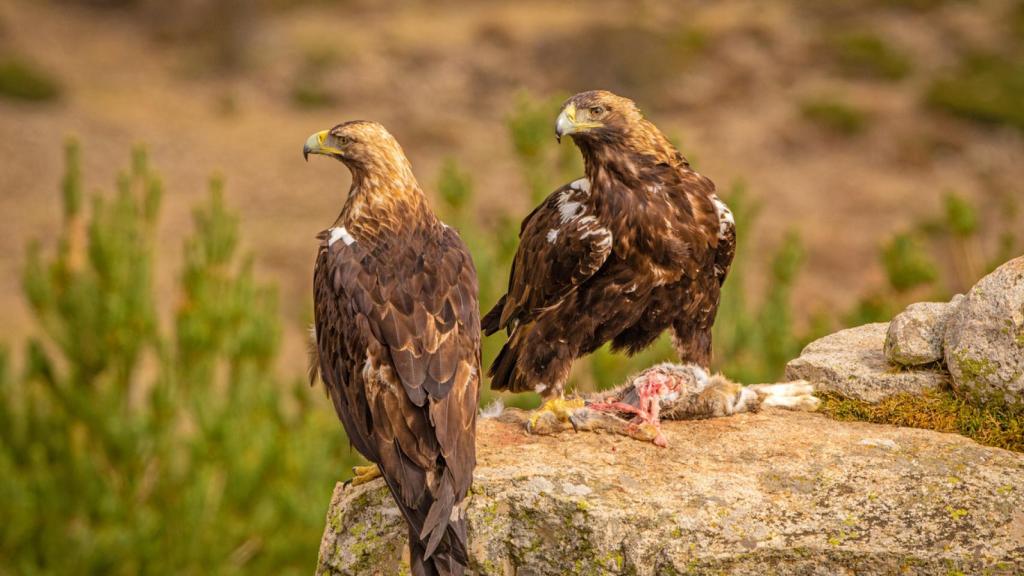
(455, 187)
(907, 265)
(20, 80)
(983, 88)
(545, 164)
(128, 448)
(834, 115)
(865, 54)
(940, 255)
(755, 337)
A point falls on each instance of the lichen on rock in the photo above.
(774, 492)
(983, 350)
(915, 336)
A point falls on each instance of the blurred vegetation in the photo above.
(834, 115)
(865, 54)
(22, 80)
(984, 87)
(309, 88)
(131, 449)
(626, 57)
(941, 255)
(916, 5)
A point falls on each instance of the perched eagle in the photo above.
(641, 244)
(398, 340)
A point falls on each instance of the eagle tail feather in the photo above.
(501, 369)
(451, 557)
(635, 340)
(491, 322)
(504, 371)
(435, 525)
(313, 357)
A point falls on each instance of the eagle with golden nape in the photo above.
(397, 341)
(641, 244)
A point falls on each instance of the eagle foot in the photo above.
(364, 474)
(553, 416)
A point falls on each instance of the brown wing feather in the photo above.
(398, 335)
(560, 247)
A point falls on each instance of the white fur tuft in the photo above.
(492, 410)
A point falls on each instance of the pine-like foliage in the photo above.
(128, 448)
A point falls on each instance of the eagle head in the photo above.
(595, 114)
(364, 146)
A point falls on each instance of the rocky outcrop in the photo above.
(852, 363)
(984, 342)
(767, 493)
(915, 335)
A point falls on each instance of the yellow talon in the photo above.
(364, 474)
(560, 407)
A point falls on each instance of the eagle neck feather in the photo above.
(380, 203)
(628, 156)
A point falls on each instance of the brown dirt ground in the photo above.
(444, 77)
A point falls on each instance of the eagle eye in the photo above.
(596, 111)
(343, 140)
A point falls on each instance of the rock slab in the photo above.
(852, 362)
(767, 493)
(984, 344)
(915, 336)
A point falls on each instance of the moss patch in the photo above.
(973, 369)
(992, 423)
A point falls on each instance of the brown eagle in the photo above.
(397, 334)
(641, 244)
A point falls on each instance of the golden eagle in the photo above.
(641, 244)
(398, 340)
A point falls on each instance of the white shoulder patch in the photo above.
(568, 209)
(340, 233)
(552, 235)
(725, 219)
(582, 184)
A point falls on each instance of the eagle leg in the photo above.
(364, 474)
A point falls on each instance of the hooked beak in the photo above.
(315, 145)
(566, 122)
